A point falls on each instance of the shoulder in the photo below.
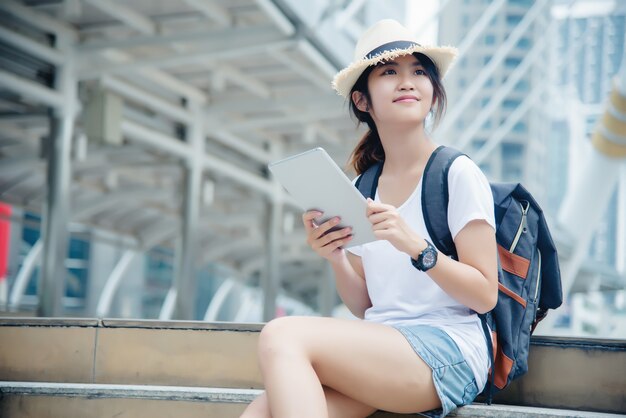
(463, 169)
(471, 197)
(463, 163)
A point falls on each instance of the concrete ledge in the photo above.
(111, 351)
(190, 325)
(128, 323)
(172, 393)
(48, 322)
(91, 392)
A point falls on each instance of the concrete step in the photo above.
(180, 353)
(564, 372)
(68, 400)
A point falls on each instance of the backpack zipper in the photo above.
(521, 228)
(538, 275)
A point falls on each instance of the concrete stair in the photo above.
(118, 368)
(40, 399)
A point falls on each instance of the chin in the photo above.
(412, 121)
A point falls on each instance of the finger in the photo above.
(335, 235)
(328, 248)
(308, 217)
(376, 207)
(323, 228)
(332, 246)
(377, 218)
(375, 204)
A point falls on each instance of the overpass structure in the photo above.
(148, 125)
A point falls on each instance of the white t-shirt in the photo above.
(401, 294)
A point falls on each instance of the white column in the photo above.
(51, 287)
(270, 278)
(620, 249)
(185, 277)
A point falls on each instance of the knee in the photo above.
(278, 338)
(259, 408)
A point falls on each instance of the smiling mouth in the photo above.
(406, 99)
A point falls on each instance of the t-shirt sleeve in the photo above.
(470, 196)
(357, 249)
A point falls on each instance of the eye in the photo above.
(388, 71)
(420, 72)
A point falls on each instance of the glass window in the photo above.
(513, 20)
(522, 86)
(520, 127)
(510, 104)
(511, 152)
(478, 143)
(512, 62)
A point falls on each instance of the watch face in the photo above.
(429, 258)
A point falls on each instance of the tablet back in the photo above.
(316, 182)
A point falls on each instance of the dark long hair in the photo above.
(370, 150)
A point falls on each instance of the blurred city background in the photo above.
(135, 136)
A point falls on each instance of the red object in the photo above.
(5, 236)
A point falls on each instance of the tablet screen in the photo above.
(315, 181)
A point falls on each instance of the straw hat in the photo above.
(387, 40)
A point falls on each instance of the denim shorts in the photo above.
(452, 376)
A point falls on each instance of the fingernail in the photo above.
(336, 220)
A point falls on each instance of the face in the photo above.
(400, 92)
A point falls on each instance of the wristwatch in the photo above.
(426, 259)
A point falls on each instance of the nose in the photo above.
(406, 82)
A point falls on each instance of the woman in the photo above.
(420, 347)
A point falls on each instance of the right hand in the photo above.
(327, 245)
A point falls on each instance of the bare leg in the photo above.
(372, 364)
(339, 406)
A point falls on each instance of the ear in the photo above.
(360, 101)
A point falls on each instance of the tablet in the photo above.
(317, 183)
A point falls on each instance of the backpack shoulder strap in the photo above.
(435, 198)
(368, 180)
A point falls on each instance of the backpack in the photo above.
(529, 280)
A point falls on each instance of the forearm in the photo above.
(351, 287)
(464, 283)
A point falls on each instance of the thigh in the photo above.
(371, 363)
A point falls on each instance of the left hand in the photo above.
(389, 225)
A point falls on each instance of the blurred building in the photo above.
(591, 35)
(526, 95)
(500, 81)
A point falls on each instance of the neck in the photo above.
(406, 147)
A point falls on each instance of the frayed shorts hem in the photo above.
(452, 376)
